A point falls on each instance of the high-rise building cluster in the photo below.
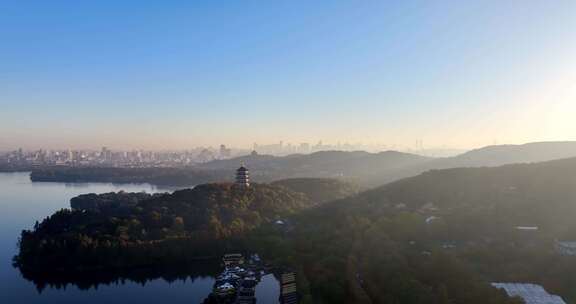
(111, 158)
(282, 148)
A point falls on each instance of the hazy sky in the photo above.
(176, 74)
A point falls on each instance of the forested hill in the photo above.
(320, 190)
(537, 194)
(441, 237)
(128, 229)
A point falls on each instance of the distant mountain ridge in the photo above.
(357, 165)
(506, 154)
(375, 169)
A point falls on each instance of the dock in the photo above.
(237, 283)
(288, 291)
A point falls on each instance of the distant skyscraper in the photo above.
(225, 152)
(243, 177)
(106, 154)
(304, 148)
(205, 155)
(70, 156)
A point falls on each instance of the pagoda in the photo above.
(243, 177)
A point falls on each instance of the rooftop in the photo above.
(530, 293)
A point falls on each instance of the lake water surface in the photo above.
(23, 202)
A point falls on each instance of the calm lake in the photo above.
(23, 202)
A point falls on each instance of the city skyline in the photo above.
(278, 148)
(190, 157)
(145, 75)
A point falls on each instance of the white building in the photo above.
(527, 228)
(530, 293)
